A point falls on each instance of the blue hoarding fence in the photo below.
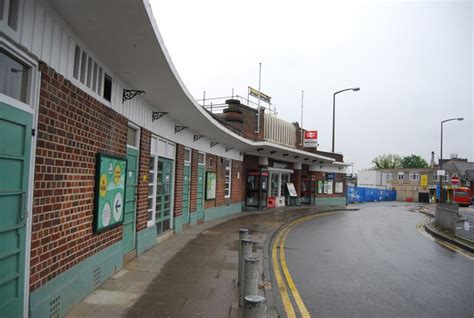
(358, 195)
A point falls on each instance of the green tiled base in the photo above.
(76, 283)
(225, 210)
(178, 223)
(195, 216)
(330, 201)
(146, 239)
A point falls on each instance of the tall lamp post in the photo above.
(355, 89)
(441, 192)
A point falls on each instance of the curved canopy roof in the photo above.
(124, 34)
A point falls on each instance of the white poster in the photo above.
(339, 187)
(330, 185)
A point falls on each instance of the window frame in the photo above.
(389, 176)
(33, 80)
(414, 176)
(137, 136)
(402, 175)
(228, 184)
(5, 27)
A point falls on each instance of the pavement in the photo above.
(462, 238)
(192, 273)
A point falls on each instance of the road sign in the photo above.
(440, 172)
(454, 180)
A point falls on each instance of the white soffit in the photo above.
(125, 36)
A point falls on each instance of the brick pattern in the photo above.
(143, 179)
(297, 181)
(194, 180)
(72, 128)
(236, 193)
(178, 181)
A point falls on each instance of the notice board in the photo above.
(109, 191)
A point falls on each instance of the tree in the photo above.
(388, 161)
(414, 161)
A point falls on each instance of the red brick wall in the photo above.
(143, 179)
(194, 180)
(236, 182)
(178, 181)
(297, 181)
(72, 128)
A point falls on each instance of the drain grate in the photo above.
(96, 277)
(54, 307)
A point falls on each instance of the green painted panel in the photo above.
(70, 287)
(225, 210)
(178, 223)
(15, 148)
(146, 239)
(330, 201)
(128, 237)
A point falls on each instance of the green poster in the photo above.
(109, 192)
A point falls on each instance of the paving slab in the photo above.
(190, 274)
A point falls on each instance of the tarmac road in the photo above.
(374, 263)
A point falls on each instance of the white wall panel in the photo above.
(49, 38)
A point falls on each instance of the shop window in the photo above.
(401, 176)
(13, 77)
(228, 178)
(330, 186)
(151, 191)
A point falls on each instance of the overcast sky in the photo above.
(413, 61)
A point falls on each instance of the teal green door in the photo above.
(15, 147)
(185, 204)
(200, 193)
(164, 186)
(129, 215)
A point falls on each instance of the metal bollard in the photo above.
(243, 234)
(250, 277)
(254, 306)
(246, 245)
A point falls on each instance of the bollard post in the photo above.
(250, 277)
(246, 245)
(254, 306)
(243, 234)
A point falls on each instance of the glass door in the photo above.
(164, 182)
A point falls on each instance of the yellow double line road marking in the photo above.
(421, 229)
(279, 244)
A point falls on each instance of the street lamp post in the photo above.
(441, 192)
(355, 89)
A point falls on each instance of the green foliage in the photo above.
(388, 161)
(414, 161)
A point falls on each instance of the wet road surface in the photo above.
(374, 263)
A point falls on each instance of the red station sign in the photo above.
(454, 180)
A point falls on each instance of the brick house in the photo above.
(80, 88)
